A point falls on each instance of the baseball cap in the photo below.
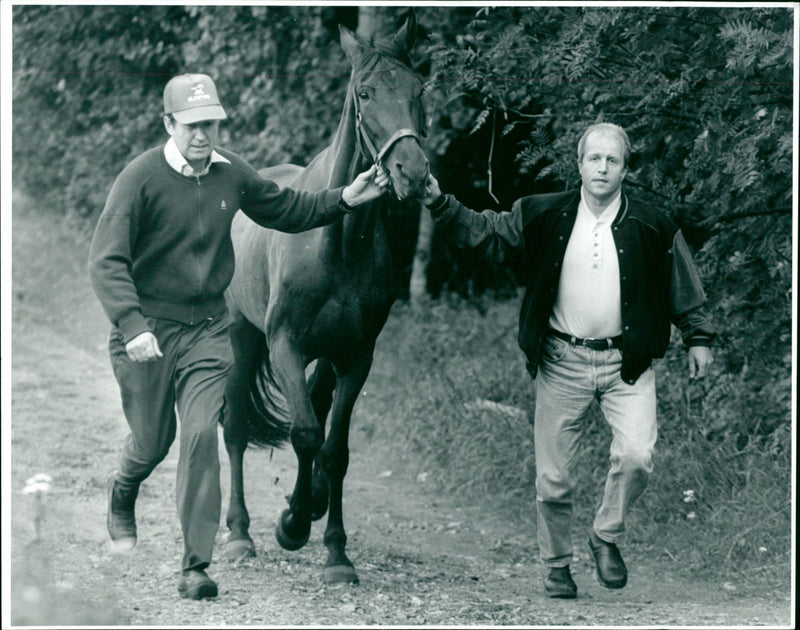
(191, 98)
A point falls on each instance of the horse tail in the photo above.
(269, 425)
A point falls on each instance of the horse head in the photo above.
(387, 102)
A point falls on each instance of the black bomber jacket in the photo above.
(659, 283)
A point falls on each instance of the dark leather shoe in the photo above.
(611, 571)
(121, 523)
(195, 584)
(559, 583)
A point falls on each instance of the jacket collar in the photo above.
(623, 210)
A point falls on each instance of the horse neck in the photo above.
(341, 161)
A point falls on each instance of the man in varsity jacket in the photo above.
(605, 275)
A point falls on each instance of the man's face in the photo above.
(195, 141)
(603, 167)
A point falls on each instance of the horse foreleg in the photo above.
(335, 457)
(321, 386)
(248, 344)
(239, 544)
(306, 434)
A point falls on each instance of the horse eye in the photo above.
(363, 95)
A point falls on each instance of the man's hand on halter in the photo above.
(143, 347)
(367, 186)
(432, 191)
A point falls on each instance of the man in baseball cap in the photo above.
(160, 261)
(191, 98)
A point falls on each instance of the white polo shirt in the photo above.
(588, 299)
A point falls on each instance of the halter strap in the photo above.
(377, 156)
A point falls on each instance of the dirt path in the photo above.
(422, 559)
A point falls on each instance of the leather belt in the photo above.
(593, 344)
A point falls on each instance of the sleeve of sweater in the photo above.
(286, 209)
(493, 234)
(687, 298)
(110, 257)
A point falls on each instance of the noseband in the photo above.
(363, 134)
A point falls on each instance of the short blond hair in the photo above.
(610, 128)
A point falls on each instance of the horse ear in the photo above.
(351, 45)
(407, 35)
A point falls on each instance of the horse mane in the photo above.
(387, 48)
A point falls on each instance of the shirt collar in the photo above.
(176, 160)
(607, 216)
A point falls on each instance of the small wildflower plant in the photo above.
(38, 486)
(689, 497)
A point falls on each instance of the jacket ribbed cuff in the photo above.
(438, 205)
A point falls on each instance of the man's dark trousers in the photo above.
(189, 379)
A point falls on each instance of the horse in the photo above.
(307, 308)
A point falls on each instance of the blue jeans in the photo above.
(569, 379)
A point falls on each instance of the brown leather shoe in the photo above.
(121, 523)
(195, 584)
(559, 583)
(611, 570)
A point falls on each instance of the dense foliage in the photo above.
(706, 96)
(705, 93)
(88, 84)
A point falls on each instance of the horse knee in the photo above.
(234, 433)
(335, 463)
(306, 441)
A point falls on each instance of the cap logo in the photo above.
(199, 93)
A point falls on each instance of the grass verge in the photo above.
(461, 403)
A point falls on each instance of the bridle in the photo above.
(366, 141)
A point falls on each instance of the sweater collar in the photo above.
(176, 160)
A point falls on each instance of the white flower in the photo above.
(40, 482)
(691, 515)
(36, 488)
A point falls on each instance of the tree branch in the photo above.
(755, 213)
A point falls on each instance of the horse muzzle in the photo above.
(407, 167)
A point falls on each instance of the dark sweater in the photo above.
(162, 245)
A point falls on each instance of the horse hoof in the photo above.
(341, 574)
(286, 541)
(239, 549)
